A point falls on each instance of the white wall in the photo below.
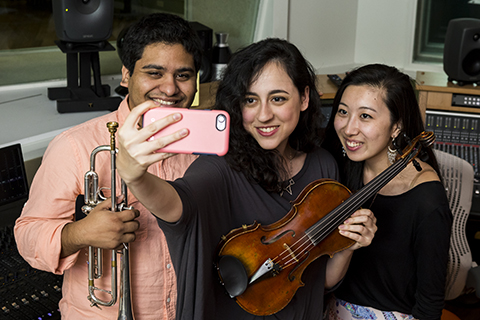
(383, 31)
(324, 30)
(385, 34)
(336, 35)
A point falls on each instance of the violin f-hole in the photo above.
(278, 236)
(291, 277)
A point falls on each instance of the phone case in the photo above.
(209, 130)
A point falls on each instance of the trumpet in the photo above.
(95, 255)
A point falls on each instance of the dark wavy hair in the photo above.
(401, 100)
(266, 167)
(159, 28)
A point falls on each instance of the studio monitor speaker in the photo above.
(83, 20)
(461, 54)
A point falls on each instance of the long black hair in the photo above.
(245, 154)
(400, 98)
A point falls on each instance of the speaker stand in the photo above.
(462, 83)
(83, 97)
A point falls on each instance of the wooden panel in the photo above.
(435, 92)
(443, 101)
(439, 100)
(422, 101)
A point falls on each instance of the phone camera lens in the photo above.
(221, 122)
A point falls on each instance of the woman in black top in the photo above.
(401, 275)
(269, 91)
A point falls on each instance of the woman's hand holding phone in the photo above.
(208, 130)
(135, 152)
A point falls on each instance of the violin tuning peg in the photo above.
(417, 165)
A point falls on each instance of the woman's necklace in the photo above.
(288, 188)
(291, 182)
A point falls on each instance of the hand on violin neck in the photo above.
(360, 227)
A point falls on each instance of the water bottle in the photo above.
(220, 55)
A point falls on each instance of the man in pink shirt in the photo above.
(161, 57)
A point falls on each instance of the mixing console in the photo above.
(25, 293)
(458, 134)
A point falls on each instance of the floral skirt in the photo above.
(338, 309)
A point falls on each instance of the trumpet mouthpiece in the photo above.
(112, 126)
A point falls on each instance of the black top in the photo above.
(404, 269)
(217, 199)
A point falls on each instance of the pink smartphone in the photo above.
(209, 130)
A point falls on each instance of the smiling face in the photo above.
(363, 124)
(165, 74)
(272, 107)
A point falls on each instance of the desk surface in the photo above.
(438, 82)
(326, 86)
(31, 119)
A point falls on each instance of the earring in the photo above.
(344, 153)
(392, 153)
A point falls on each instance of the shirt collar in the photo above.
(123, 110)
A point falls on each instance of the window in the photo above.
(431, 26)
(27, 32)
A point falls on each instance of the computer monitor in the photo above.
(13, 184)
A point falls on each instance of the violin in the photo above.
(254, 261)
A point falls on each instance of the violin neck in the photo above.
(336, 217)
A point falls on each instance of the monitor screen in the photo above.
(13, 179)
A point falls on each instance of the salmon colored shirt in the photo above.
(51, 205)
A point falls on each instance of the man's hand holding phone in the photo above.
(168, 131)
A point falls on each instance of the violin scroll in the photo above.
(427, 138)
(416, 147)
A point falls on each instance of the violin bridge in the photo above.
(290, 251)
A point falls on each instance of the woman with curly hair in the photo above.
(269, 91)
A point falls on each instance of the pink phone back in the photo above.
(209, 130)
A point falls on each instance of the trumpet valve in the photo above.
(86, 209)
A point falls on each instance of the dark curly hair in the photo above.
(265, 167)
(159, 28)
(401, 101)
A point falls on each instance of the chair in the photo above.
(458, 178)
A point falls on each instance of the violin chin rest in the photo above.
(233, 274)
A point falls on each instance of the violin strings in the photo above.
(321, 229)
(332, 220)
(351, 206)
(296, 250)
